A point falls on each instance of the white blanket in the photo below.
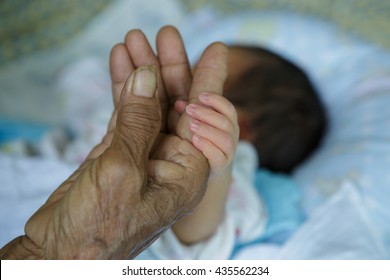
(340, 229)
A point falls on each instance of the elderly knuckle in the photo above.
(139, 120)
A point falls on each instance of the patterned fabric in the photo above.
(27, 26)
(368, 18)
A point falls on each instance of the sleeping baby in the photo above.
(270, 118)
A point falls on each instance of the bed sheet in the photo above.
(339, 229)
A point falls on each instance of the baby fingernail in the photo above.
(203, 96)
(190, 109)
(196, 138)
(194, 125)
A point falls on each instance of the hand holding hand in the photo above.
(215, 130)
(141, 178)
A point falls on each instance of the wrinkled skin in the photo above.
(144, 175)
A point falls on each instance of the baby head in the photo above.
(279, 111)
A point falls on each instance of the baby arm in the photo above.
(215, 134)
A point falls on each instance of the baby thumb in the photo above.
(139, 117)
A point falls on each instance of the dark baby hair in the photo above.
(286, 116)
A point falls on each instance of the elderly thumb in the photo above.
(139, 117)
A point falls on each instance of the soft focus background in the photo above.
(55, 103)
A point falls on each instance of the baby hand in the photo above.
(215, 130)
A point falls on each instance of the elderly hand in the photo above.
(141, 178)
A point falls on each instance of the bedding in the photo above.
(366, 18)
(340, 229)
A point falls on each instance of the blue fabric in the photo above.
(11, 130)
(281, 196)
